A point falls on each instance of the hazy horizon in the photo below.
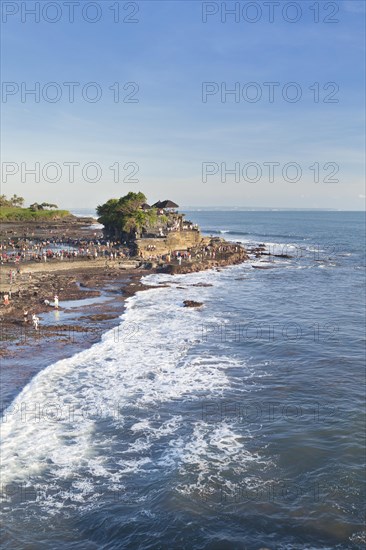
(224, 208)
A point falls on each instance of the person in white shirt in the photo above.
(35, 321)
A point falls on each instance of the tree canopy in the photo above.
(14, 201)
(44, 206)
(18, 202)
(125, 215)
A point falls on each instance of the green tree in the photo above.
(4, 201)
(17, 202)
(14, 201)
(48, 205)
(35, 207)
(125, 215)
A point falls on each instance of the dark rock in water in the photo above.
(263, 266)
(275, 255)
(202, 284)
(99, 317)
(192, 303)
(150, 265)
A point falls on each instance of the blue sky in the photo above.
(170, 132)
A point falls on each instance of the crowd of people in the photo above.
(34, 318)
(14, 252)
(199, 253)
(25, 250)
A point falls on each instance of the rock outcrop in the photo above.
(195, 267)
(192, 303)
(175, 240)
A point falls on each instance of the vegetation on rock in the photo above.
(125, 215)
(13, 202)
(12, 210)
(26, 214)
(35, 207)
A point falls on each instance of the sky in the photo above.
(150, 109)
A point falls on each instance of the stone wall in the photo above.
(175, 240)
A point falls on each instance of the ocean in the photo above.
(238, 425)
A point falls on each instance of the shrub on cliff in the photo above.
(26, 214)
(13, 202)
(125, 215)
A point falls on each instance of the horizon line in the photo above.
(244, 208)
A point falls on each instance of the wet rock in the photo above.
(150, 265)
(192, 303)
(130, 264)
(100, 317)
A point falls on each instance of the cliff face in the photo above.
(175, 240)
(230, 259)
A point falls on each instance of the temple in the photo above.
(170, 232)
(148, 231)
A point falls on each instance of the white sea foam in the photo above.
(66, 423)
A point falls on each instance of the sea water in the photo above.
(236, 425)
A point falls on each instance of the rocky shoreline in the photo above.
(37, 284)
(69, 226)
(30, 285)
(91, 292)
(91, 302)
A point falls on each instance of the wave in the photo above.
(245, 233)
(89, 422)
(224, 232)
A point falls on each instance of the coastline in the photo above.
(92, 295)
(196, 386)
(90, 305)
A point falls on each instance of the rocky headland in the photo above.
(91, 277)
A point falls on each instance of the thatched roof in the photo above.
(145, 206)
(168, 204)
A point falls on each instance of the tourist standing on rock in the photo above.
(6, 299)
(35, 321)
(56, 301)
(25, 316)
